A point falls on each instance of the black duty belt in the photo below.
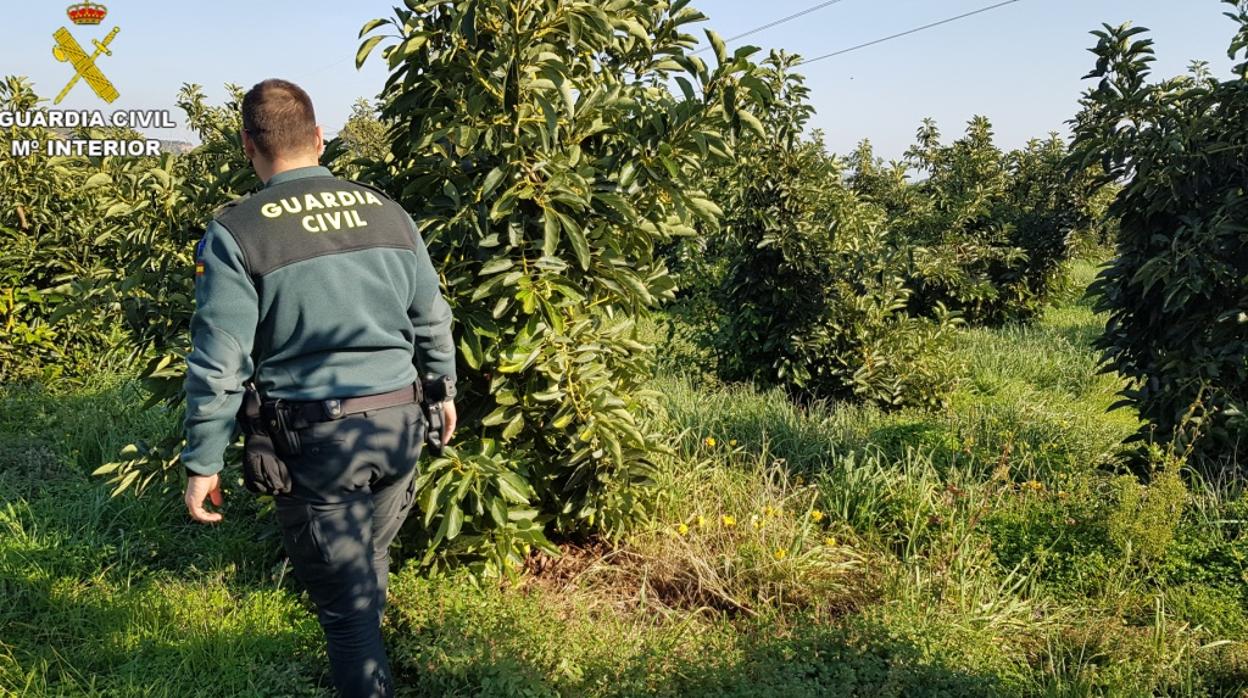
(333, 409)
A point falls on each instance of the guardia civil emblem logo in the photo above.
(68, 50)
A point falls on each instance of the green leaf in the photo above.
(513, 428)
(580, 244)
(365, 49)
(498, 511)
(752, 122)
(496, 417)
(569, 101)
(686, 88)
(550, 243)
(513, 487)
(429, 500)
(454, 521)
(98, 179)
(470, 349)
(371, 25)
(492, 180)
(503, 206)
(706, 209)
(105, 469)
(118, 209)
(405, 50)
(634, 28)
(496, 265)
(721, 51)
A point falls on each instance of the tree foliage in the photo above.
(539, 143)
(814, 294)
(364, 136)
(992, 229)
(73, 228)
(156, 285)
(1177, 292)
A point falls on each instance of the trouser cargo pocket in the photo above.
(301, 535)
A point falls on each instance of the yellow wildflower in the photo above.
(682, 529)
(830, 541)
(732, 443)
(780, 553)
(816, 515)
(709, 441)
(728, 521)
(701, 520)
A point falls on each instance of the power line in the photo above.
(317, 71)
(916, 30)
(776, 23)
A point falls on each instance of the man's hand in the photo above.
(449, 419)
(199, 487)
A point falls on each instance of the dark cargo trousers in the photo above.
(352, 490)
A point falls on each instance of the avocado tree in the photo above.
(814, 295)
(968, 259)
(42, 215)
(364, 136)
(1177, 291)
(72, 229)
(991, 230)
(544, 155)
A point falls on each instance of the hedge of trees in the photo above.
(843, 278)
(574, 163)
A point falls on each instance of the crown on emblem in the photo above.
(87, 13)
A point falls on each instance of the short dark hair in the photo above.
(279, 117)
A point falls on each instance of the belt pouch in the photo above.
(264, 471)
(276, 420)
(435, 422)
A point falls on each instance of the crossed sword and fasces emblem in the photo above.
(68, 49)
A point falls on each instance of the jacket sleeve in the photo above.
(431, 317)
(223, 330)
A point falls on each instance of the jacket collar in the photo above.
(298, 173)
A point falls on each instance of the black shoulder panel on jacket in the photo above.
(229, 205)
(313, 217)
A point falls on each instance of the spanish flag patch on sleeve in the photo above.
(199, 257)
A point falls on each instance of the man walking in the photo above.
(317, 313)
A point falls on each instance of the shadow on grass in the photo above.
(808, 440)
(820, 661)
(526, 646)
(111, 596)
(82, 637)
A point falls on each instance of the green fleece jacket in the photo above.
(319, 288)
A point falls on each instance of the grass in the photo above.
(992, 548)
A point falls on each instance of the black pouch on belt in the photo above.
(276, 419)
(435, 417)
(264, 471)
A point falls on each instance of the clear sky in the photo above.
(1019, 65)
